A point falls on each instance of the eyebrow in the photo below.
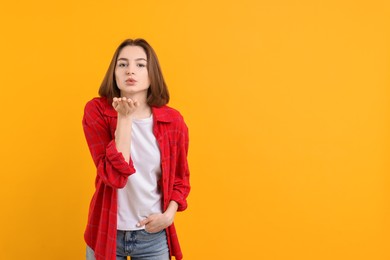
(135, 59)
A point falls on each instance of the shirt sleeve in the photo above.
(181, 187)
(110, 164)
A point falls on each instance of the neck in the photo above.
(141, 97)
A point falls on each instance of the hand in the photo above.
(156, 222)
(124, 106)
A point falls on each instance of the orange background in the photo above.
(287, 104)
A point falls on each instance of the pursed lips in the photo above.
(130, 81)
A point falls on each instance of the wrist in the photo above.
(171, 211)
(125, 118)
(169, 216)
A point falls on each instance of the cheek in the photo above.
(117, 74)
(117, 81)
(146, 77)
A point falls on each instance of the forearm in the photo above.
(123, 136)
(171, 210)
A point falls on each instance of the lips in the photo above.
(130, 81)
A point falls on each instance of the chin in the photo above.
(132, 91)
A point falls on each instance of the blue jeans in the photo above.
(139, 245)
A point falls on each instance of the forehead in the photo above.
(132, 52)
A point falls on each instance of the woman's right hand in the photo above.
(124, 106)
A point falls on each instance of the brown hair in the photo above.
(158, 94)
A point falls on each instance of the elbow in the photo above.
(115, 178)
(181, 199)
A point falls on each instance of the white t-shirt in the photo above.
(141, 197)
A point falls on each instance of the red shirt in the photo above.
(99, 123)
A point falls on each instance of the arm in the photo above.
(123, 136)
(111, 165)
(181, 186)
(125, 108)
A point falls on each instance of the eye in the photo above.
(141, 65)
(122, 65)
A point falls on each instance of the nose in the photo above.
(129, 70)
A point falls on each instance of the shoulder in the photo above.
(99, 105)
(170, 111)
(167, 114)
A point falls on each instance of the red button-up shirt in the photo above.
(99, 123)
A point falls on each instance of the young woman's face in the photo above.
(131, 73)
